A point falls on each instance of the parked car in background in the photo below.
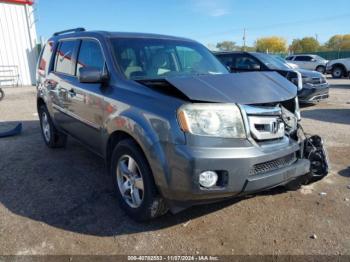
(174, 126)
(289, 64)
(339, 67)
(314, 87)
(309, 62)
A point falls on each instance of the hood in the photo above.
(338, 60)
(309, 73)
(242, 88)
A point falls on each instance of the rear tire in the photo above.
(133, 180)
(321, 69)
(337, 72)
(52, 137)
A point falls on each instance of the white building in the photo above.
(18, 43)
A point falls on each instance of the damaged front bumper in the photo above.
(244, 166)
(242, 169)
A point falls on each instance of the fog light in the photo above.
(208, 178)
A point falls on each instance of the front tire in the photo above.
(133, 183)
(337, 72)
(52, 137)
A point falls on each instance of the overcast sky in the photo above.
(207, 21)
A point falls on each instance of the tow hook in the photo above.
(315, 152)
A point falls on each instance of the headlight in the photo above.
(307, 79)
(216, 120)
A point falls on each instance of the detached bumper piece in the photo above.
(315, 152)
(10, 131)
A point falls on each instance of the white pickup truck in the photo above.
(339, 67)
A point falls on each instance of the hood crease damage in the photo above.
(242, 88)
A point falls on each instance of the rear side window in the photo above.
(64, 63)
(303, 58)
(90, 55)
(45, 58)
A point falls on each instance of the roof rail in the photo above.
(73, 30)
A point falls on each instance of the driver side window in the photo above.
(246, 63)
(90, 55)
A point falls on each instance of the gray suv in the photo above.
(174, 126)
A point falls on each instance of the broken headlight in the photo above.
(290, 120)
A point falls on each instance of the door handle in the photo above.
(72, 93)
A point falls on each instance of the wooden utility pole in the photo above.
(244, 39)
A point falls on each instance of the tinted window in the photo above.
(64, 57)
(246, 63)
(159, 58)
(303, 58)
(90, 55)
(271, 61)
(45, 58)
(226, 60)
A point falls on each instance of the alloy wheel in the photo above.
(45, 125)
(337, 72)
(130, 181)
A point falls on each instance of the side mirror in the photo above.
(92, 75)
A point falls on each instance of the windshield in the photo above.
(271, 62)
(141, 59)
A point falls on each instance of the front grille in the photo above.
(272, 165)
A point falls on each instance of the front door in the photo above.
(86, 99)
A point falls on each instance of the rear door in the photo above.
(305, 62)
(61, 81)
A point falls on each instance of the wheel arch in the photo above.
(123, 127)
(39, 102)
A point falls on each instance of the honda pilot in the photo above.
(174, 126)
